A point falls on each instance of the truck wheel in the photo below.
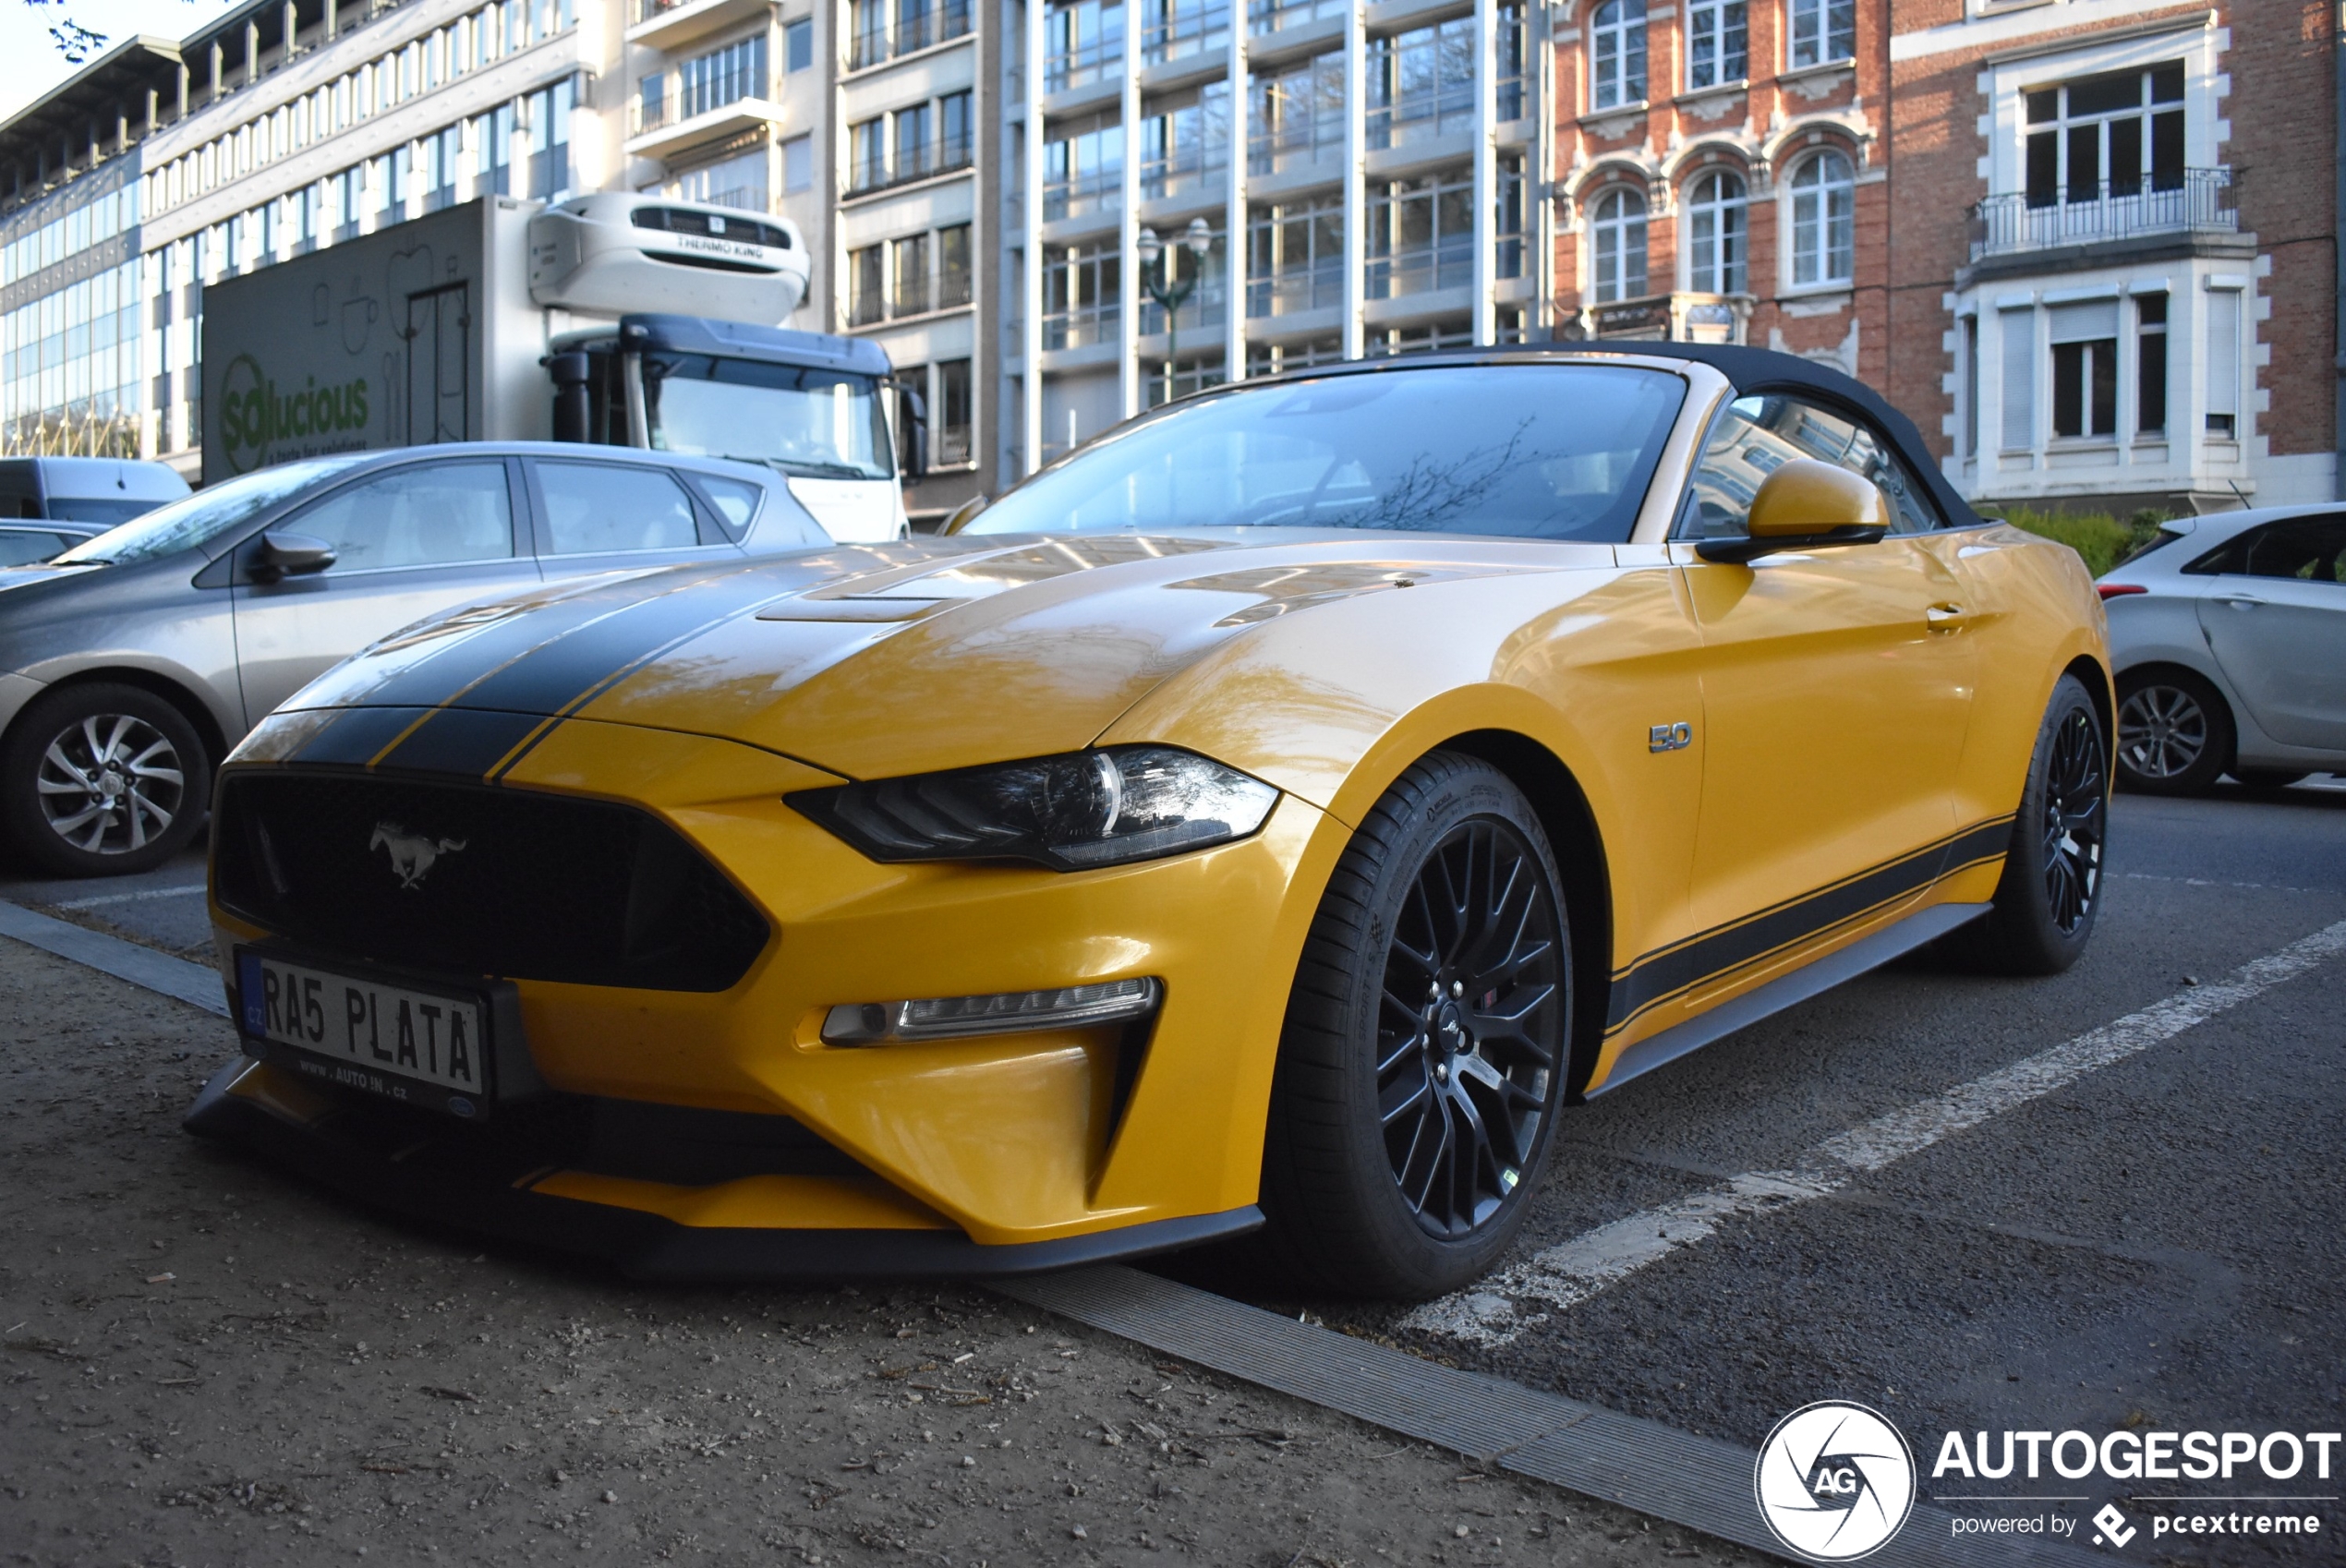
(103, 779)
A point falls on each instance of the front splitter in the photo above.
(651, 1246)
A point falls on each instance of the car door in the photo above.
(1836, 687)
(599, 516)
(2276, 621)
(407, 542)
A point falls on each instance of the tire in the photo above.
(2175, 733)
(102, 780)
(1377, 1180)
(2050, 891)
(2268, 778)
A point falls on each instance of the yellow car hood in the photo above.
(865, 662)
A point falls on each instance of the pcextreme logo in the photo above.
(1835, 1481)
(254, 416)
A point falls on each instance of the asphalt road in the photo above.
(2156, 1246)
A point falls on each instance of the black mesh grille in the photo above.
(519, 885)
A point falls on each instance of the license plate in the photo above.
(428, 1047)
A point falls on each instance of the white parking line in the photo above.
(102, 900)
(1500, 1306)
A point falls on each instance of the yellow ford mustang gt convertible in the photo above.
(1275, 813)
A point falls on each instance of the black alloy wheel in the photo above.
(103, 779)
(2174, 733)
(1424, 1062)
(1473, 985)
(2051, 890)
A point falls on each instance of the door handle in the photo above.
(1946, 617)
(2240, 601)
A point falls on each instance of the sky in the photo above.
(34, 65)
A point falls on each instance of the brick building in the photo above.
(2090, 246)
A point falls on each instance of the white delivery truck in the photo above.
(627, 319)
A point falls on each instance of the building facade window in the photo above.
(549, 172)
(866, 285)
(1715, 241)
(867, 154)
(1508, 50)
(1186, 144)
(710, 81)
(1420, 234)
(956, 412)
(1825, 205)
(1083, 169)
(1081, 290)
(1717, 34)
(915, 142)
(1295, 257)
(798, 45)
(955, 131)
(1420, 83)
(2223, 365)
(2112, 135)
(2084, 370)
(1617, 53)
(1082, 43)
(908, 276)
(798, 164)
(739, 181)
(2150, 364)
(953, 263)
(1617, 245)
(1173, 28)
(1821, 32)
(1506, 221)
(1295, 114)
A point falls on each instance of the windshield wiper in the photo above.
(811, 469)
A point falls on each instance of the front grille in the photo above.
(475, 880)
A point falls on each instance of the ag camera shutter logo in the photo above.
(1835, 1481)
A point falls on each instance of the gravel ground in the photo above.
(207, 1363)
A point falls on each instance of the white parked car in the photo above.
(2228, 636)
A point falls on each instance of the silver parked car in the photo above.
(2228, 636)
(132, 662)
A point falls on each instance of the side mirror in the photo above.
(916, 435)
(963, 515)
(1807, 504)
(283, 555)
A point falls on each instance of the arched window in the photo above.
(1824, 204)
(1617, 53)
(1715, 235)
(1618, 244)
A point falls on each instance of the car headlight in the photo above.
(1070, 813)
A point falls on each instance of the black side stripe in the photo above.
(1671, 972)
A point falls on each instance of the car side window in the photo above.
(432, 514)
(736, 500)
(2307, 549)
(592, 508)
(1754, 436)
(25, 546)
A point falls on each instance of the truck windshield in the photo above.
(826, 424)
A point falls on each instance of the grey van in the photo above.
(132, 662)
(48, 504)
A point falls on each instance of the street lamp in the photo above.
(1198, 240)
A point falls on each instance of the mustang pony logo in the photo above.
(412, 854)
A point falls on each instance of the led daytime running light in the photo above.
(1001, 1012)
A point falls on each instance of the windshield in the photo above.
(1546, 452)
(823, 423)
(200, 517)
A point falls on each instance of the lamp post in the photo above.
(1198, 240)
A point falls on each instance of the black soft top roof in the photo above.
(1757, 371)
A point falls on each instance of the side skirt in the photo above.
(1809, 979)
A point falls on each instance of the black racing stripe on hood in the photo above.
(467, 743)
(579, 662)
(355, 736)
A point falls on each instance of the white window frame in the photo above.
(1714, 22)
(1616, 30)
(1813, 196)
(1611, 226)
(1714, 274)
(1811, 35)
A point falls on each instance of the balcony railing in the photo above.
(1290, 294)
(1081, 327)
(1273, 15)
(1207, 307)
(1447, 263)
(1427, 112)
(2201, 201)
(1086, 193)
(659, 114)
(942, 156)
(1084, 63)
(1294, 144)
(913, 296)
(909, 34)
(1188, 169)
(1191, 27)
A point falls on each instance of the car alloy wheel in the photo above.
(2162, 732)
(2074, 821)
(111, 784)
(1471, 986)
